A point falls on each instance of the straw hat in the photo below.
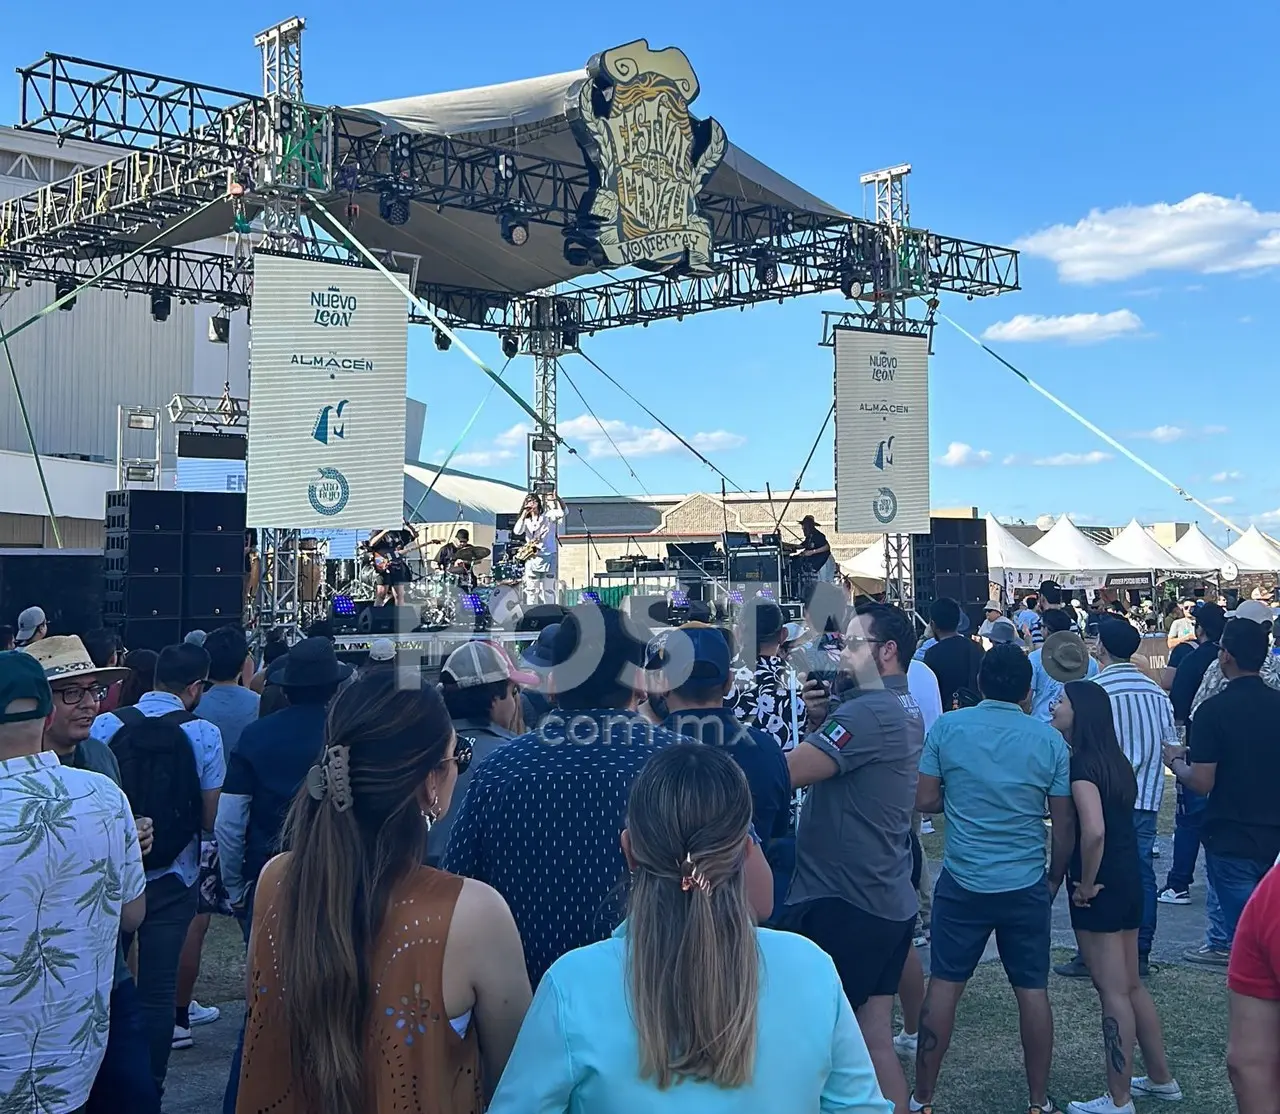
(64, 658)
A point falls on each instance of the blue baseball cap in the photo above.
(710, 664)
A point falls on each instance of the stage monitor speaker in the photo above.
(67, 587)
(221, 596)
(541, 615)
(214, 512)
(143, 509)
(150, 634)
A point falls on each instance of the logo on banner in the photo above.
(329, 492)
(331, 361)
(329, 424)
(651, 158)
(884, 454)
(884, 408)
(885, 506)
(333, 308)
(883, 367)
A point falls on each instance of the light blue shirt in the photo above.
(206, 741)
(997, 765)
(923, 648)
(230, 708)
(1044, 689)
(578, 1051)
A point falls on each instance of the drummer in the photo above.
(454, 557)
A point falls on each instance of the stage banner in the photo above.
(326, 397)
(882, 433)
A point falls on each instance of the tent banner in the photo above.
(1028, 580)
(882, 433)
(329, 359)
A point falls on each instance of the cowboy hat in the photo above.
(63, 657)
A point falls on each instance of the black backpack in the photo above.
(158, 774)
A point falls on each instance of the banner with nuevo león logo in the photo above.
(882, 433)
(326, 396)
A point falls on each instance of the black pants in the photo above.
(124, 1080)
(171, 907)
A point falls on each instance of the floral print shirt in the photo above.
(1214, 682)
(69, 858)
(761, 698)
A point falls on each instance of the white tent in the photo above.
(1196, 551)
(867, 564)
(1253, 553)
(1067, 546)
(1006, 554)
(1140, 549)
(456, 495)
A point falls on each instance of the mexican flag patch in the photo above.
(836, 735)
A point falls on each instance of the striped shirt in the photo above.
(1143, 716)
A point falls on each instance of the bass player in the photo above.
(537, 526)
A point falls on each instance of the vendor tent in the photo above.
(1140, 549)
(1253, 553)
(1068, 547)
(867, 568)
(1006, 554)
(1196, 551)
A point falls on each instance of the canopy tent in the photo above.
(867, 568)
(457, 496)
(1196, 551)
(1254, 553)
(1140, 549)
(1014, 564)
(1067, 546)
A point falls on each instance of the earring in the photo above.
(428, 818)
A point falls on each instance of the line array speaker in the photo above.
(950, 562)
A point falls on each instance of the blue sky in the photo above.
(1131, 157)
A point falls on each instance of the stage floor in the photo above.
(434, 646)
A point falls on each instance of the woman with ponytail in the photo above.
(690, 1006)
(375, 983)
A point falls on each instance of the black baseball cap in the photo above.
(22, 678)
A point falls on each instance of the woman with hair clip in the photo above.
(689, 1006)
(375, 983)
(1106, 899)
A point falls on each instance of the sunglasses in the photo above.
(462, 752)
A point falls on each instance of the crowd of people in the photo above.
(670, 873)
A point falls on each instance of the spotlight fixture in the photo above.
(220, 328)
(62, 287)
(161, 304)
(141, 419)
(403, 146)
(393, 208)
(514, 229)
(140, 472)
(511, 346)
(285, 122)
(766, 268)
(442, 339)
(850, 287)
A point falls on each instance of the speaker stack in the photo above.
(174, 563)
(950, 562)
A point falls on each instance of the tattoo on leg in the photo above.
(927, 1039)
(1111, 1042)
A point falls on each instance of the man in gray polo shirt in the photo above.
(852, 892)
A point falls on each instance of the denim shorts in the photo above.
(963, 922)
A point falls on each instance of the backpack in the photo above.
(158, 774)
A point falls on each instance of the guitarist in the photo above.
(537, 526)
(389, 563)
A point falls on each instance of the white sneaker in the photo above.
(926, 827)
(1145, 1089)
(1155, 851)
(202, 1015)
(904, 1044)
(1104, 1104)
(1170, 896)
(181, 1038)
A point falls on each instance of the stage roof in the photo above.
(456, 495)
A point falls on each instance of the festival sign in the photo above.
(650, 160)
(882, 433)
(326, 396)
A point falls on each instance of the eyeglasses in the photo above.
(855, 640)
(74, 695)
(462, 751)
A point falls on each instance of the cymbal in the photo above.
(470, 553)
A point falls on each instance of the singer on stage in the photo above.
(537, 526)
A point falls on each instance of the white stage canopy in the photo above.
(1254, 553)
(1141, 550)
(867, 564)
(457, 496)
(1067, 546)
(1196, 551)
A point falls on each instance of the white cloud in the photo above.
(1205, 234)
(1222, 501)
(1167, 434)
(1268, 516)
(960, 455)
(1225, 477)
(1070, 460)
(1075, 328)
(636, 441)
(1012, 458)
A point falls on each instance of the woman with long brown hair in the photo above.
(690, 1006)
(375, 983)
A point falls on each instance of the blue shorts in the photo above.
(963, 922)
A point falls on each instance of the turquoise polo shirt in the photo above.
(997, 766)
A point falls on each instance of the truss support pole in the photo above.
(547, 344)
(899, 585)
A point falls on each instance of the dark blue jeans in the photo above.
(1186, 839)
(232, 1092)
(1144, 825)
(124, 1080)
(1234, 880)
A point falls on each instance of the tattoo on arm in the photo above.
(1111, 1043)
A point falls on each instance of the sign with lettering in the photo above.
(651, 159)
(882, 433)
(326, 397)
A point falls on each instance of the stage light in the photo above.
(345, 606)
(403, 147)
(850, 287)
(62, 287)
(141, 419)
(285, 123)
(393, 208)
(736, 595)
(766, 268)
(220, 328)
(514, 229)
(679, 598)
(766, 593)
(594, 597)
(511, 346)
(161, 304)
(442, 339)
(140, 472)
